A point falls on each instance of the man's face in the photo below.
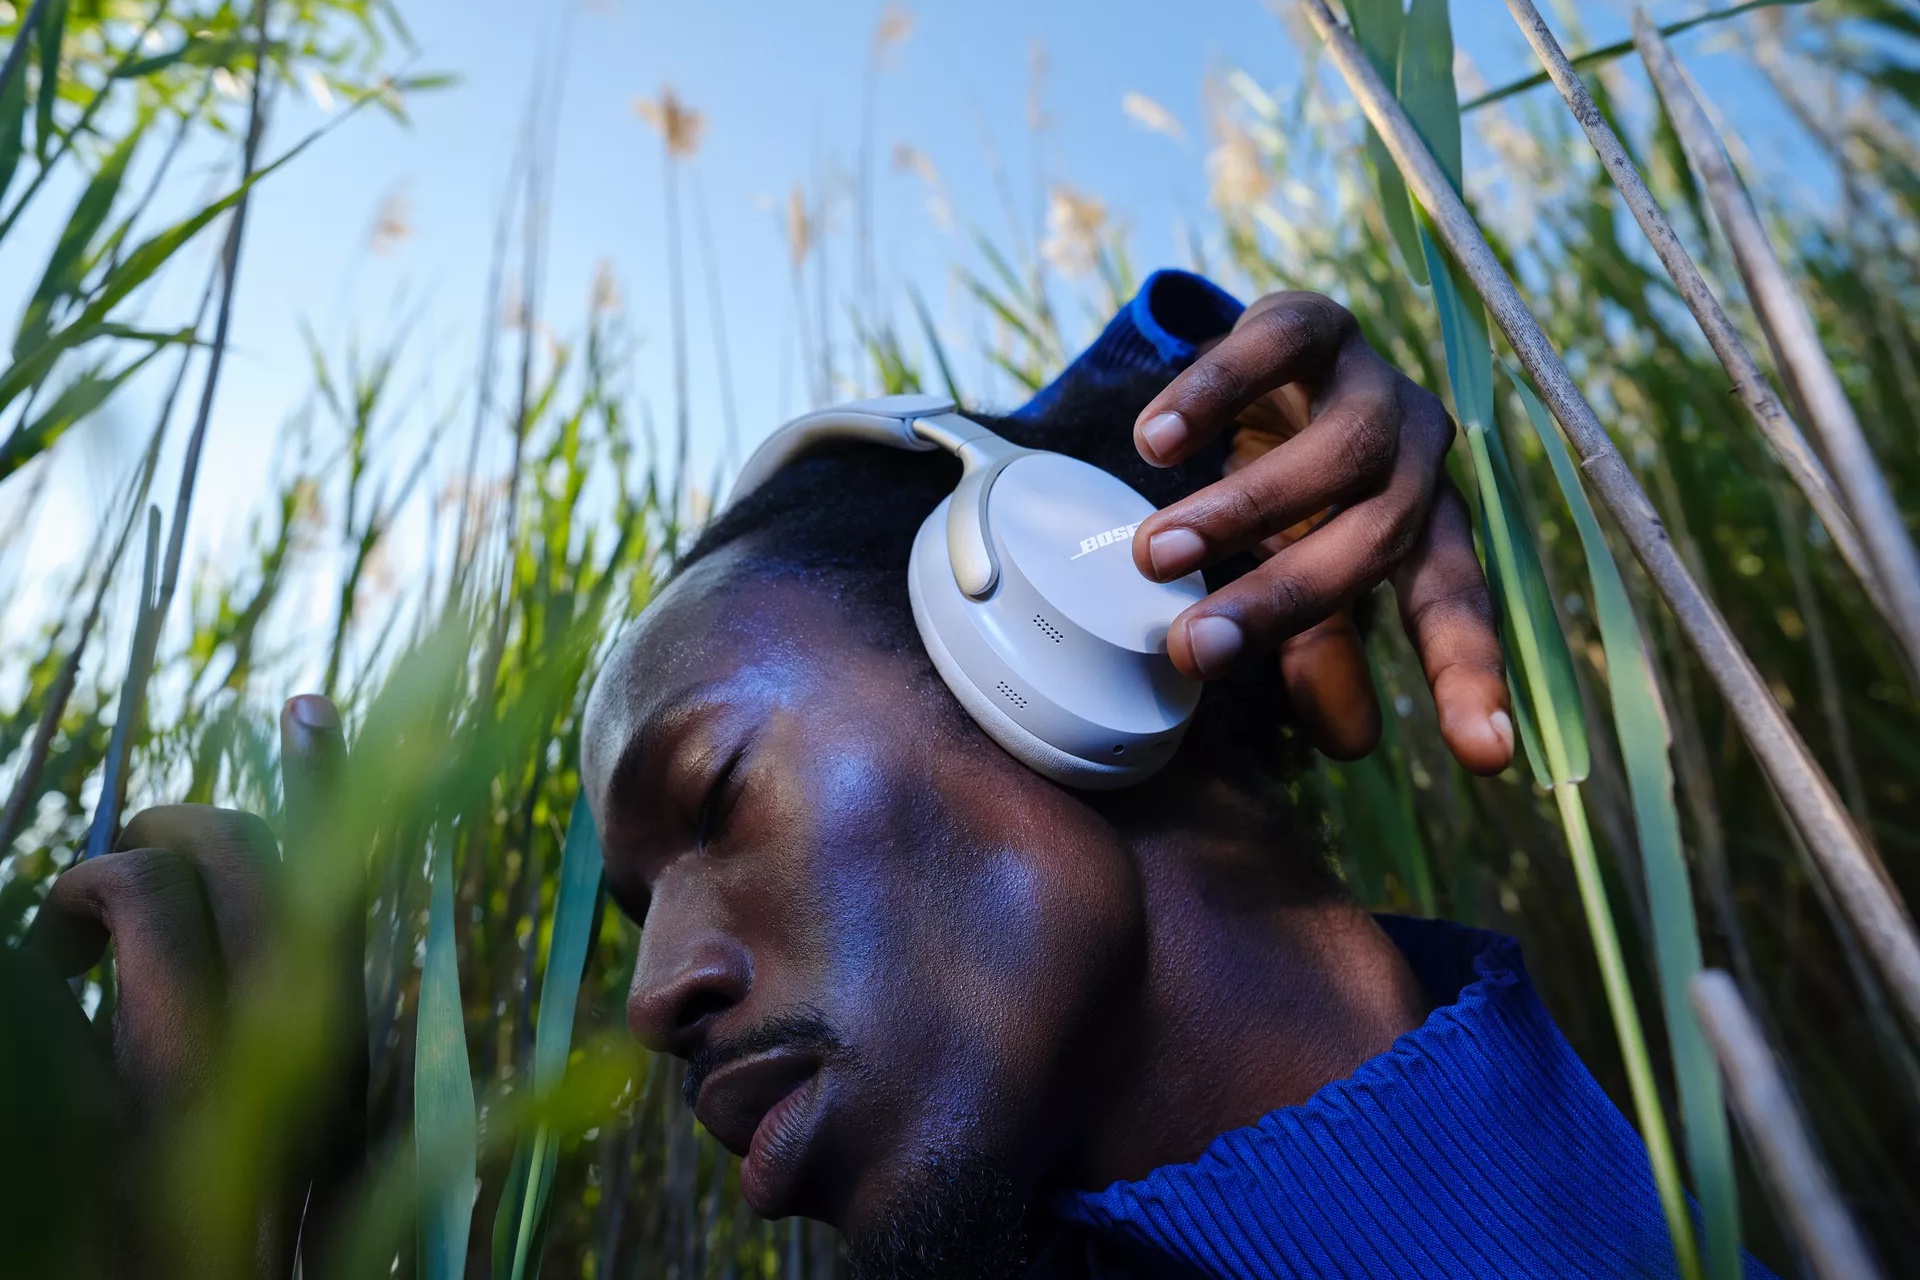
(896, 960)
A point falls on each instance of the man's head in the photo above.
(904, 969)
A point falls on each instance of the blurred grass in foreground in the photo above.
(462, 683)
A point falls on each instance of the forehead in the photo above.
(721, 632)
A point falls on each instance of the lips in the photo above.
(760, 1109)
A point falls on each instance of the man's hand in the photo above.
(189, 899)
(1338, 481)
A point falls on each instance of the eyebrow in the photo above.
(640, 749)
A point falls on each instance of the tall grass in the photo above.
(511, 1126)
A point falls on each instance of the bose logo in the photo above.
(1119, 533)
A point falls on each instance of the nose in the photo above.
(682, 985)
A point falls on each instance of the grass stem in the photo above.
(1797, 350)
(1859, 879)
(1626, 1024)
(1771, 1120)
(1775, 424)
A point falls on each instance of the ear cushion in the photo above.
(1042, 757)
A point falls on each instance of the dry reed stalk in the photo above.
(1858, 878)
(1779, 428)
(1833, 1245)
(1801, 359)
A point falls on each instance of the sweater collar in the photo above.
(1477, 1145)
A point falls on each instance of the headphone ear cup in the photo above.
(1063, 663)
(987, 711)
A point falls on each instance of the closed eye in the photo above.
(718, 802)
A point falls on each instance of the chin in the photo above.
(953, 1213)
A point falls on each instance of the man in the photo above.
(990, 1027)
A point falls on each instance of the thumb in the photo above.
(313, 753)
(313, 758)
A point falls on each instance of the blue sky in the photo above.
(780, 85)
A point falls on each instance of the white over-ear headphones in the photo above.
(1026, 595)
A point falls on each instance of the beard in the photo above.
(958, 1217)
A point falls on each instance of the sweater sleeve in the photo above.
(1157, 332)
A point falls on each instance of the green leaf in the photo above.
(13, 125)
(520, 1223)
(67, 266)
(934, 344)
(53, 29)
(1547, 694)
(1425, 83)
(76, 400)
(1551, 724)
(446, 1133)
(199, 51)
(1640, 720)
(1377, 25)
(133, 271)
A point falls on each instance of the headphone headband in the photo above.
(919, 424)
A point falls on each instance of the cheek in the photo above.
(977, 942)
(968, 930)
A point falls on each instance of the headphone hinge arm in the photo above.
(983, 456)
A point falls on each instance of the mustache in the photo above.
(806, 1031)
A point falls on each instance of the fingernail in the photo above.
(1175, 552)
(1216, 642)
(1163, 434)
(1502, 729)
(315, 712)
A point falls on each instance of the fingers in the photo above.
(1372, 416)
(237, 859)
(312, 760)
(1306, 582)
(1325, 671)
(1449, 616)
(1283, 338)
(149, 901)
(313, 751)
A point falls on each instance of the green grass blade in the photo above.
(523, 1204)
(76, 400)
(1640, 719)
(1626, 1022)
(133, 271)
(1424, 82)
(937, 347)
(1381, 814)
(1543, 677)
(13, 126)
(68, 263)
(1547, 705)
(1377, 25)
(1416, 865)
(53, 31)
(574, 916)
(446, 1132)
(1362, 858)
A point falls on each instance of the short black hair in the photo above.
(844, 517)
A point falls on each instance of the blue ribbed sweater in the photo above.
(1477, 1146)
